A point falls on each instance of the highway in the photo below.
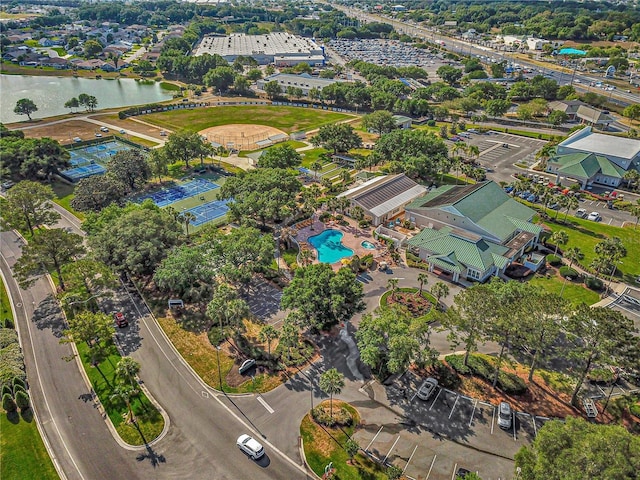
(200, 441)
(581, 81)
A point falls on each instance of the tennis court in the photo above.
(94, 158)
(208, 211)
(84, 171)
(169, 195)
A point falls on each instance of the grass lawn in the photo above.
(287, 119)
(22, 452)
(575, 292)
(203, 358)
(311, 156)
(64, 195)
(150, 422)
(4, 304)
(320, 448)
(292, 143)
(585, 234)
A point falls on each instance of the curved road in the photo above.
(200, 442)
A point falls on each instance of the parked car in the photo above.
(98, 135)
(505, 416)
(163, 133)
(250, 446)
(594, 216)
(505, 145)
(104, 129)
(6, 185)
(247, 365)
(554, 206)
(122, 131)
(462, 473)
(581, 213)
(120, 319)
(427, 388)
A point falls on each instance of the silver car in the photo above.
(427, 388)
(250, 446)
(505, 415)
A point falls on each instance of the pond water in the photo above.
(50, 93)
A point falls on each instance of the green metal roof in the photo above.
(479, 254)
(485, 204)
(586, 165)
(526, 226)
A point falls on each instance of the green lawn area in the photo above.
(320, 448)
(287, 119)
(312, 156)
(5, 304)
(102, 377)
(64, 195)
(292, 143)
(575, 292)
(585, 234)
(22, 452)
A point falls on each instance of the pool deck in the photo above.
(352, 238)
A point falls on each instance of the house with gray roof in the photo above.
(384, 198)
(595, 158)
(472, 231)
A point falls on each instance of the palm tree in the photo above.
(423, 278)
(635, 211)
(267, 334)
(187, 218)
(316, 167)
(559, 238)
(331, 383)
(220, 151)
(126, 370)
(124, 393)
(573, 254)
(440, 290)
(472, 152)
(571, 203)
(599, 264)
(392, 285)
(345, 176)
(306, 257)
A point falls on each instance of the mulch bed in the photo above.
(415, 303)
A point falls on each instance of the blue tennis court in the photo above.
(170, 195)
(84, 171)
(209, 211)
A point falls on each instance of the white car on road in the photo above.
(250, 446)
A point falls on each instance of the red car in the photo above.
(120, 320)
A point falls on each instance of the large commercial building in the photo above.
(280, 48)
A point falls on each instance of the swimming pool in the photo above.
(329, 246)
(368, 245)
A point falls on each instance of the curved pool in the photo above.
(368, 245)
(329, 246)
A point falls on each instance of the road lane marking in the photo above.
(431, 467)
(409, 461)
(264, 404)
(374, 438)
(473, 412)
(435, 399)
(454, 406)
(390, 450)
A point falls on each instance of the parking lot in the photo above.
(451, 415)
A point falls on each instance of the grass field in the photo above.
(64, 195)
(585, 234)
(574, 292)
(22, 452)
(5, 304)
(287, 119)
(292, 143)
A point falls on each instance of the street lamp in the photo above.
(219, 370)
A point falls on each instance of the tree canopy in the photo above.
(27, 206)
(279, 157)
(337, 137)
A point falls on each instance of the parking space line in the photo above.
(265, 404)
(473, 412)
(435, 399)
(493, 419)
(454, 406)
(374, 438)
(455, 469)
(535, 429)
(409, 461)
(430, 467)
(513, 421)
(390, 450)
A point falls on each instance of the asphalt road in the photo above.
(200, 442)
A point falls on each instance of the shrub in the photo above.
(18, 388)
(341, 416)
(8, 323)
(431, 123)
(19, 381)
(8, 403)
(7, 337)
(635, 410)
(593, 283)
(447, 376)
(22, 400)
(6, 389)
(456, 362)
(511, 384)
(554, 260)
(363, 224)
(567, 272)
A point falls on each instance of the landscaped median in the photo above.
(420, 305)
(325, 444)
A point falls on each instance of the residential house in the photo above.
(384, 198)
(56, 62)
(473, 231)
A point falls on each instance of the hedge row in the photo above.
(480, 366)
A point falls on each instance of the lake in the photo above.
(50, 93)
